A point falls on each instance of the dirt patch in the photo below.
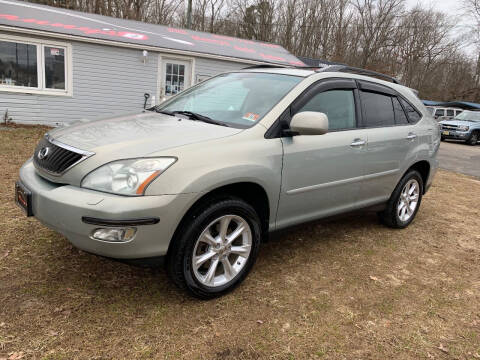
(347, 288)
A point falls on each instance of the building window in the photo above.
(34, 66)
(176, 75)
(18, 64)
(175, 78)
(54, 58)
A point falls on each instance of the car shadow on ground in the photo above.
(67, 269)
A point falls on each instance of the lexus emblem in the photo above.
(43, 153)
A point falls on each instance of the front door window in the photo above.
(338, 105)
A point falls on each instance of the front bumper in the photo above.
(453, 134)
(61, 208)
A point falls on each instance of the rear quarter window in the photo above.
(412, 114)
(400, 117)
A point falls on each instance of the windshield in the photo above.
(468, 115)
(235, 99)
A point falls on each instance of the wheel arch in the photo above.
(423, 167)
(251, 192)
(474, 132)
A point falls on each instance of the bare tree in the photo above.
(415, 45)
(376, 24)
(473, 9)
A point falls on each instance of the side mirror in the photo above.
(309, 123)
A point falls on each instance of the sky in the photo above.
(454, 8)
(448, 6)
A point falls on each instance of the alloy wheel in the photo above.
(408, 201)
(222, 250)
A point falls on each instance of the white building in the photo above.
(58, 66)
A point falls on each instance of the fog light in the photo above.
(114, 234)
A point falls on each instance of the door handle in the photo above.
(411, 136)
(358, 142)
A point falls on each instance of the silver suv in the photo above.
(201, 179)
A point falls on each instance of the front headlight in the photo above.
(462, 128)
(127, 177)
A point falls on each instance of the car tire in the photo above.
(404, 202)
(442, 138)
(473, 138)
(200, 237)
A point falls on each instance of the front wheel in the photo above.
(404, 202)
(473, 138)
(216, 248)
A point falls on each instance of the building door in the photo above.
(175, 75)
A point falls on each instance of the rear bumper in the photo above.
(433, 170)
(62, 207)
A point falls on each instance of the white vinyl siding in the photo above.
(208, 67)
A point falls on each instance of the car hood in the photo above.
(139, 134)
(458, 122)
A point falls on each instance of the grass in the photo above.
(347, 288)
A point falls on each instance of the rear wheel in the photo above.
(404, 202)
(473, 138)
(216, 248)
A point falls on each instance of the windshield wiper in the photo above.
(191, 115)
(200, 117)
(162, 111)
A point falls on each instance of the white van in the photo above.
(444, 113)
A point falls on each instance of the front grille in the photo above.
(54, 159)
(449, 127)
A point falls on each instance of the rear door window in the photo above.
(338, 105)
(377, 109)
(450, 113)
(439, 112)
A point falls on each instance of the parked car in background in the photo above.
(203, 177)
(443, 113)
(465, 126)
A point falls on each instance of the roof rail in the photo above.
(273, 66)
(359, 71)
(264, 66)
